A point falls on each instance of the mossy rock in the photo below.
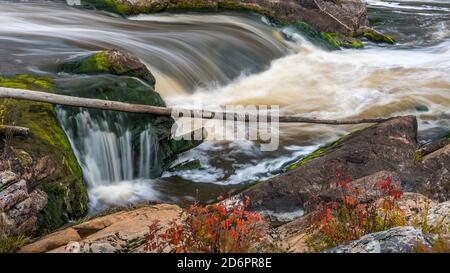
(377, 37)
(320, 151)
(113, 61)
(65, 187)
(342, 41)
(324, 40)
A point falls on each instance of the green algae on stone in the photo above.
(113, 61)
(115, 6)
(377, 37)
(320, 151)
(324, 40)
(342, 41)
(46, 138)
(187, 165)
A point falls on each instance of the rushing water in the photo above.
(233, 58)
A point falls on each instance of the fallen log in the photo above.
(38, 96)
(14, 130)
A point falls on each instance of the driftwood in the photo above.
(161, 111)
(13, 130)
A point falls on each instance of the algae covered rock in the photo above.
(344, 16)
(67, 196)
(114, 61)
(377, 37)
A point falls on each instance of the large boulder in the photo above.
(394, 240)
(347, 17)
(389, 146)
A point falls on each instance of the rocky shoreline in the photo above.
(41, 183)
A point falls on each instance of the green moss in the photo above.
(339, 40)
(23, 157)
(322, 150)
(12, 244)
(95, 63)
(324, 40)
(114, 6)
(417, 156)
(192, 5)
(377, 37)
(46, 138)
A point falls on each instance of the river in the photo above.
(207, 59)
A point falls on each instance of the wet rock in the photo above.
(394, 240)
(7, 177)
(420, 211)
(389, 147)
(344, 16)
(113, 61)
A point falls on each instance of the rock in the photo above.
(187, 165)
(368, 184)
(422, 212)
(389, 146)
(20, 209)
(113, 61)
(52, 241)
(293, 235)
(437, 184)
(394, 240)
(118, 232)
(13, 195)
(59, 175)
(347, 17)
(433, 146)
(7, 177)
(378, 37)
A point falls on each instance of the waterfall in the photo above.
(103, 145)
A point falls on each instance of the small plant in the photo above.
(354, 215)
(12, 244)
(439, 245)
(211, 229)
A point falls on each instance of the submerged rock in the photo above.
(394, 240)
(113, 61)
(63, 182)
(347, 17)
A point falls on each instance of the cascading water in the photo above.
(233, 58)
(103, 145)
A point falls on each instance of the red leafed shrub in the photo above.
(354, 214)
(211, 229)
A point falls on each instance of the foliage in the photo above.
(12, 244)
(354, 215)
(215, 228)
(439, 245)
